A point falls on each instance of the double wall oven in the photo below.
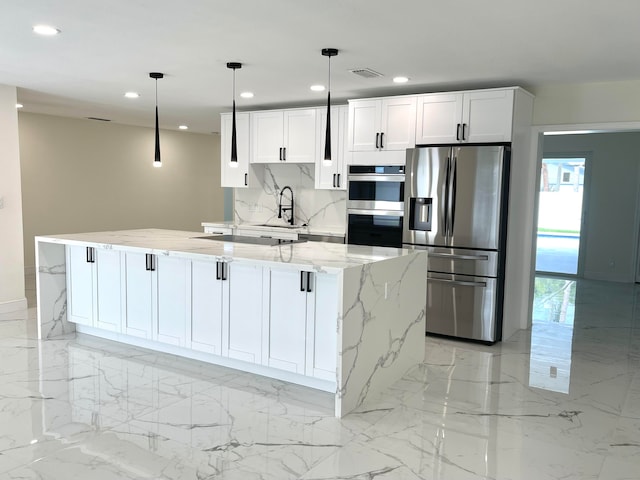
(375, 205)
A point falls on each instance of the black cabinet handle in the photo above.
(458, 132)
(147, 260)
(377, 139)
(382, 140)
(218, 274)
(303, 276)
(334, 180)
(225, 268)
(245, 179)
(90, 255)
(308, 281)
(338, 182)
(464, 126)
(280, 154)
(284, 154)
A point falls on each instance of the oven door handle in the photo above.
(391, 177)
(384, 213)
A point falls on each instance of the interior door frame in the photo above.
(535, 156)
(586, 188)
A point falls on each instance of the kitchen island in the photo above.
(341, 318)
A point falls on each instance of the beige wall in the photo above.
(612, 194)
(587, 103)
(11, 259)
(82, 175)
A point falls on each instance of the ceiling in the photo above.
(107, 48)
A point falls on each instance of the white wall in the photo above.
(82, 175)
(613, 190)
(12, 296)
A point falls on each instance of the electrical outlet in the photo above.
(553, 372)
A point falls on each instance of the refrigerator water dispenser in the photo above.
(420, 214)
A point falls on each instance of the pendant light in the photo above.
(234, 143)
(157, 162)
(328, 52)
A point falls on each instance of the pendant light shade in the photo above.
(328, 52)
(234, 142)
(157, 161)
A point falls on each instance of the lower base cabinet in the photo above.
(276, 317)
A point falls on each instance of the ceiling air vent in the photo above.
(366, 73)
(99, 119)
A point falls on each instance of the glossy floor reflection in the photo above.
(561, 401)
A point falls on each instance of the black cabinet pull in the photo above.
(284, 154)
(458, 132)
(225, 268)
(334, 180)
(89, 255)
(280, 158)
(382, 140)
(308, 281)
(377, 139)
(147, 260)
(338, 182)
(464, 126)
(245, 179)
(303, 276)
(218, 274)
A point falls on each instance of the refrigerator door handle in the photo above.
(459, 257)
(445, 203)
(457, 282)
(452, 199)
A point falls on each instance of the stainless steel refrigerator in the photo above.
(456, 208)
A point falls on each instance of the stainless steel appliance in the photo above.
(456, 208)
(375, 205)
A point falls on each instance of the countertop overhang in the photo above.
(317, 256)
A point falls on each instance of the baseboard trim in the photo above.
(13, 305)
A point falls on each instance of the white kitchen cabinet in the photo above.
(283, 136)
(242, 312)
(206, 307)
(157, 298)
(481, 116)
(384, 126)
(332, 174)
(301, 323)
(282, 233)
(239, 174)
(95, 287)
(218, 230)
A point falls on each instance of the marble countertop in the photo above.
(326, 230)
(318, 256)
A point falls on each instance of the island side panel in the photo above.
(380, 338)
(51, 291)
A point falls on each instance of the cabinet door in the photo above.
(234, 174)
(173, 276)
(300, 136)
(80, 286)
(267, 134)
(438, 118)
(322, 327)
(109, 292)
(488, 116)
(206, 308)
(286, 329)
(327, 170)
(364, 125)
(398, 124)
(139, 311)
(242, 314)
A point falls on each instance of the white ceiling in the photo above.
(109, 47)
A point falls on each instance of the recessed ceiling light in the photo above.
(317, 88)
(400, 79)
(246, 94)
(47, 30)
(183, 127)
(132, 94)
(19, 105)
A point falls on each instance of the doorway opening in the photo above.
(560, 214)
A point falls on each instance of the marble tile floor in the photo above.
(560, 401)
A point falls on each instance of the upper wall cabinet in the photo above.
(331, 174)
(469, 117)
(283, 136)
(384, 126)
(235, 174)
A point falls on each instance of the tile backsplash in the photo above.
(316, 208)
